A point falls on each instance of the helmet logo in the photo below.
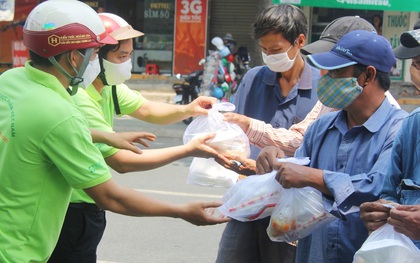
(53, 40)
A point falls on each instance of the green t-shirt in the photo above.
(98, 109)
(45, 150)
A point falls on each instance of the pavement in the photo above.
(159, 88)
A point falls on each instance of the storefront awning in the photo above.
(390, 5)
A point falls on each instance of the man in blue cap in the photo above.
(349, 149)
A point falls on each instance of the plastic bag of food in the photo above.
(207, 172)
(252, 198)
(386, 245)
(297, 214)
(230, 139)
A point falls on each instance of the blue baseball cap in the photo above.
(357, 47)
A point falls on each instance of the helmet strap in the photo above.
(101, 75)
(76, 80)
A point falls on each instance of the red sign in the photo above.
(190, 35)
(20, 53)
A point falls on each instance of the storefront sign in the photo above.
(392, 5)
(190, 35)
(394, 24)
(20, 53)
(7, 10)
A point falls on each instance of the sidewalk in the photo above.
(155, 88)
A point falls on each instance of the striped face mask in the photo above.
(338, 93)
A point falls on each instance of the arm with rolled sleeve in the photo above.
(262, 134)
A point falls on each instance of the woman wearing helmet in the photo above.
(44, 155)
(103, 99)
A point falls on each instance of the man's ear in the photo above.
(300, 41)
(370, 74)
(73, 57)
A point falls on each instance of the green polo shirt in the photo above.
(45, 150)
(98, 108)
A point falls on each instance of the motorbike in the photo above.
(218, 79)
(188, 90)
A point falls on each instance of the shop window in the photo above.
(321, 17)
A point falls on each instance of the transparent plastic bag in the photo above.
(255, 196)
(207, 172)
(297, 214)
(251, 198)
(230, 139)
(385, 245)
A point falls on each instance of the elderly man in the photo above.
(402, 181)
(349, 149)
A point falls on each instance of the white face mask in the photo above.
(279, 62)
(116, 74)
(92, 71)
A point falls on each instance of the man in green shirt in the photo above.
(46, 148)
(107, 96)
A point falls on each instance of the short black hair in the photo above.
(383, 78)
(286, 19)
(42, 61)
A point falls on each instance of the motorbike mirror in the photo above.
(178, 76)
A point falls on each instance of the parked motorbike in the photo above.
(188, 90)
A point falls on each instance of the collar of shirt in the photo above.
(93, 93)
(271, 78)
(373, 124)
(47, 80)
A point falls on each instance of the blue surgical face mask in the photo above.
(338, 93)
(224, 52)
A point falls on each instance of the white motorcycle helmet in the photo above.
(56, 26)
(218, 42)
(118, 28)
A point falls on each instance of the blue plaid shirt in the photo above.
(354, 163)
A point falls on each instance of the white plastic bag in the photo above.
(251, 198)
(297, 214)
(256, 196)
(385, 245)
(207, 172)
(230, 139)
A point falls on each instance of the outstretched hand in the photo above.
(239, 119)
(198, 147)
(267, 159)
(237, 164)
(202, 213)
(201, 105)
(126, 140)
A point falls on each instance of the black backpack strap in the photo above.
(115, 100)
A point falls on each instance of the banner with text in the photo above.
(20, 53)
(391, 5)
(190, 33)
